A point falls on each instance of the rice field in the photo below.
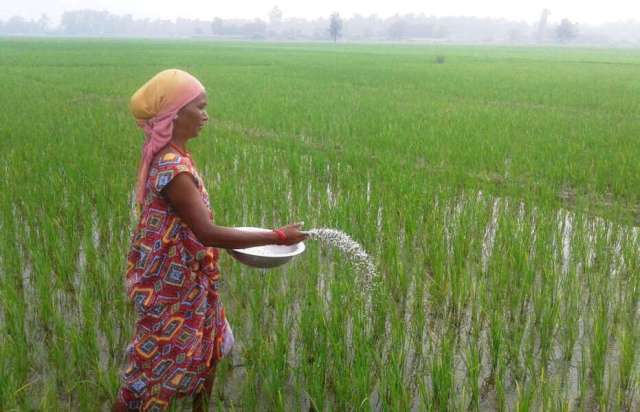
(497, 193)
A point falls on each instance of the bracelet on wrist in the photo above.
(281, 235)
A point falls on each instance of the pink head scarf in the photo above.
(155, 106)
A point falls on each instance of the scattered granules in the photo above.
(353, 250)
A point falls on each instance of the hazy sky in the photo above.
(528, 10)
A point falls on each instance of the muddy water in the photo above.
(565, 374)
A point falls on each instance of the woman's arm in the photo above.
(187, 202)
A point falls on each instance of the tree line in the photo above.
(411, 27)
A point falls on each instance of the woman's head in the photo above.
(170, 99)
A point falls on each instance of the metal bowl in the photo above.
(267, 256)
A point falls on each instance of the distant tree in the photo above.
(44, 22)
(217, 26)
(275, 16)
(440, 31)
(335, 26)
(16, 25)
(542, 24)
(398, 29)
(255, 29)
(566, 31)
(86, 22)
(515, 35)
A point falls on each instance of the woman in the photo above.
(172, 275)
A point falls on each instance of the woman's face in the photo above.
(192, 117)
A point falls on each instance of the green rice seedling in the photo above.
(628, 344)
(598, 351)
(551, 401)
(442, 375)
(499, 383)
(525, 395)
(473, 356)
(627, 334)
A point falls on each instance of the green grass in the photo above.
(480, 306)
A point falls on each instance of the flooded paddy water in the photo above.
(443, 329)
(564, 359)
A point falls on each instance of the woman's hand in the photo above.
(293, 234)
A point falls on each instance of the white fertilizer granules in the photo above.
(352, 249)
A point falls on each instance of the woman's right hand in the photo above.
(293, 233)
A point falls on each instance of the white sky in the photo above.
(528, 10)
